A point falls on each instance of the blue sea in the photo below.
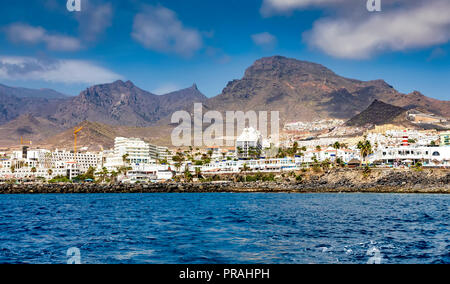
(225, 228)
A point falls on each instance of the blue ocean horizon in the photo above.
(228, 228)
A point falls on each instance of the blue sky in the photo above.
(166, 45)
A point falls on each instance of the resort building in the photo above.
(61, 158)
(330, 154)
(261, 165)
(428, 156)
(135, 150)
(249, 143)
(159, 152)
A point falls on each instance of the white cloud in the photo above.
(54, 71)
(159, 29)
(265, 40)
(23, 33)
(408, 27)
(94, 19)
(270, 7)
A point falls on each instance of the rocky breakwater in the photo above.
(337, 180)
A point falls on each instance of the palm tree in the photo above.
(254, 152)
(198, 172)
(114, 175)
(240, 151)
(104, 173)
(187, 175)
(245, 169)
(124, 170)
(125, 158)
(210, 152)
(326, 164)
(178, 159)
(294, 149)
(281, 153)
(336, 146)
(365, 149)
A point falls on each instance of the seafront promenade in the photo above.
(338, 180)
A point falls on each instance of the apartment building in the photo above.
(250, 140)
(159, 153)
(136, 150)
(428, 156)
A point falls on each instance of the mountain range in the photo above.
(305, 91)
(300, 90)
(30, 93)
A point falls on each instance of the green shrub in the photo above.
(60, 179)
(367, 170)
(418, 167)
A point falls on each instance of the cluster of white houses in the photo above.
(146, 162)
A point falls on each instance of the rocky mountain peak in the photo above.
(378, 113)
(279, 66)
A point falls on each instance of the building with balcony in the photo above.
(249, 143)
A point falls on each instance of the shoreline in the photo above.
(64, 189)
(334, 181)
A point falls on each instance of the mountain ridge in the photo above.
(21, 92)
(299, 90)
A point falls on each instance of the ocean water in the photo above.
(225, 228)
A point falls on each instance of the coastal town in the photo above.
(132, 160)
(224, 139)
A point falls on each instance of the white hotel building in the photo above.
(263, 165)
(137, 150)
(249, 139)
(138, 153)
(47, 164)
(428, 156)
